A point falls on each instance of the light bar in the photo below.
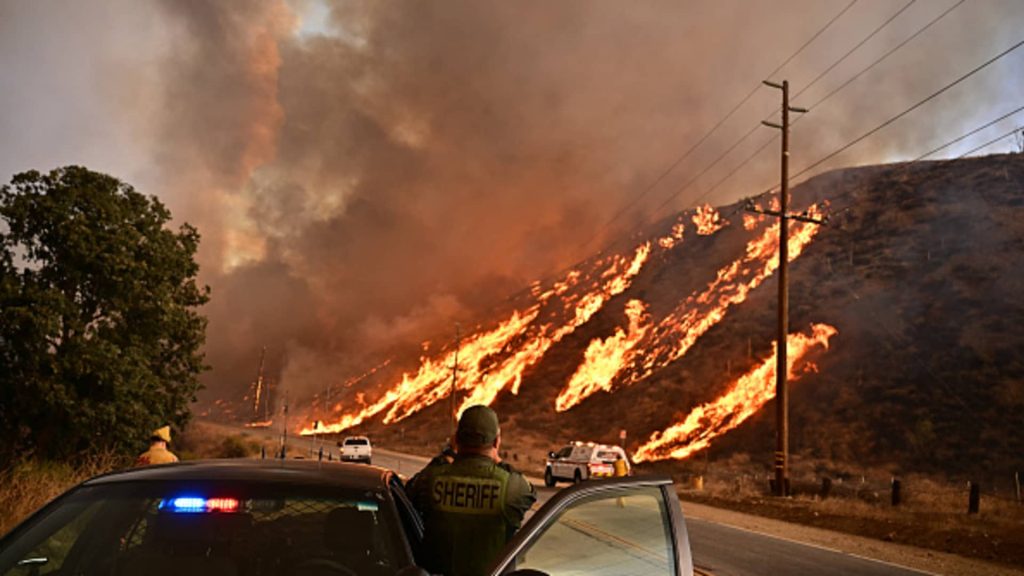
(196, 504)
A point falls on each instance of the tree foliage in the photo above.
(100, 334)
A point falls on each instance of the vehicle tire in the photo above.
(577, 477)
(549, 480)
(367, 461)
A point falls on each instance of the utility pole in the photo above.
(258, 385)
(455, 376)
(782, 364)
(284, 428)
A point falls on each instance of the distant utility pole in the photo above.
(455, 376)
(258, 395)
(782, 365)
(284, 428)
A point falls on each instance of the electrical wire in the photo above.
(679, 160)
(920, 103)
(969, 134)
(990, 142)
(905, 166)
(752, 130)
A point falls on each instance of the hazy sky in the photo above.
(365, 173)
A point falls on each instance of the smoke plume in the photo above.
(365, 174)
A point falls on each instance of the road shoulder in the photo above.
(899, 554)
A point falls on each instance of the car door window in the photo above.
(558, 467)
(621, 533)
(48, 556)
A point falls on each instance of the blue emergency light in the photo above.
(197, 504)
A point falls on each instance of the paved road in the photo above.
(717, 549)
(725, 551)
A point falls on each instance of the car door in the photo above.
(559, 467)
(615, 527)
(580, 457)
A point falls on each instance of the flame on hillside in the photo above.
(708, 221)
(495, 360)
(745, 396)
(674, 237)
(604, 358)
(677, 332)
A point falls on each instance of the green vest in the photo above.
(470, 509)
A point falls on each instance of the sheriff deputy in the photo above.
(472, 505)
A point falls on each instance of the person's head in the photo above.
(161, 435)
(478, 432)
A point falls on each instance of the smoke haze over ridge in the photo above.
(366, 173)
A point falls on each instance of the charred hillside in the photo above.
(919, 272)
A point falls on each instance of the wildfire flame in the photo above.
(708, 221)
(677, 332)
(603, 359)
(674, 237)
(745, 397)
(495, 360)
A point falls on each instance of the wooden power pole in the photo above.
(782, 363)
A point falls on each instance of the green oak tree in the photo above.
(100, 332)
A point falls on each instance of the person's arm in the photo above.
(417, 488)
(520, 498)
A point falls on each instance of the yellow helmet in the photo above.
(162, 433)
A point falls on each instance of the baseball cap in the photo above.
(478, 427)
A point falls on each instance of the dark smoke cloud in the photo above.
(360, 190)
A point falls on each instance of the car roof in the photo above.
(308, 473)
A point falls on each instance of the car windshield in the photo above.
(357, 442)
(607, 455)
(209, 528)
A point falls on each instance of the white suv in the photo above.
(356, 449)
(578, 462)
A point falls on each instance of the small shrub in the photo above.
(236, 446)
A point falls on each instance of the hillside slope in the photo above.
(921, 273)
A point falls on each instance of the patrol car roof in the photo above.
(269, 471)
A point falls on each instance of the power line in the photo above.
(812, 83)
(947, 144)
(922, 102)
(839, 88)
(990, 142)
(855, 48)
(890, 120)
(886, 55)
(664, 174)
(969, 134)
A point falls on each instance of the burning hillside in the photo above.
(671, 337)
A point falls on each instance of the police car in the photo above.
(580, 461)
(305, 518)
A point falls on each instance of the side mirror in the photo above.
(551, 455)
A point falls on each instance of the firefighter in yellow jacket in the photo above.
(158, 452)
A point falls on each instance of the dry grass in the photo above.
(932, 512)
(28, 485)
(201, 440)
